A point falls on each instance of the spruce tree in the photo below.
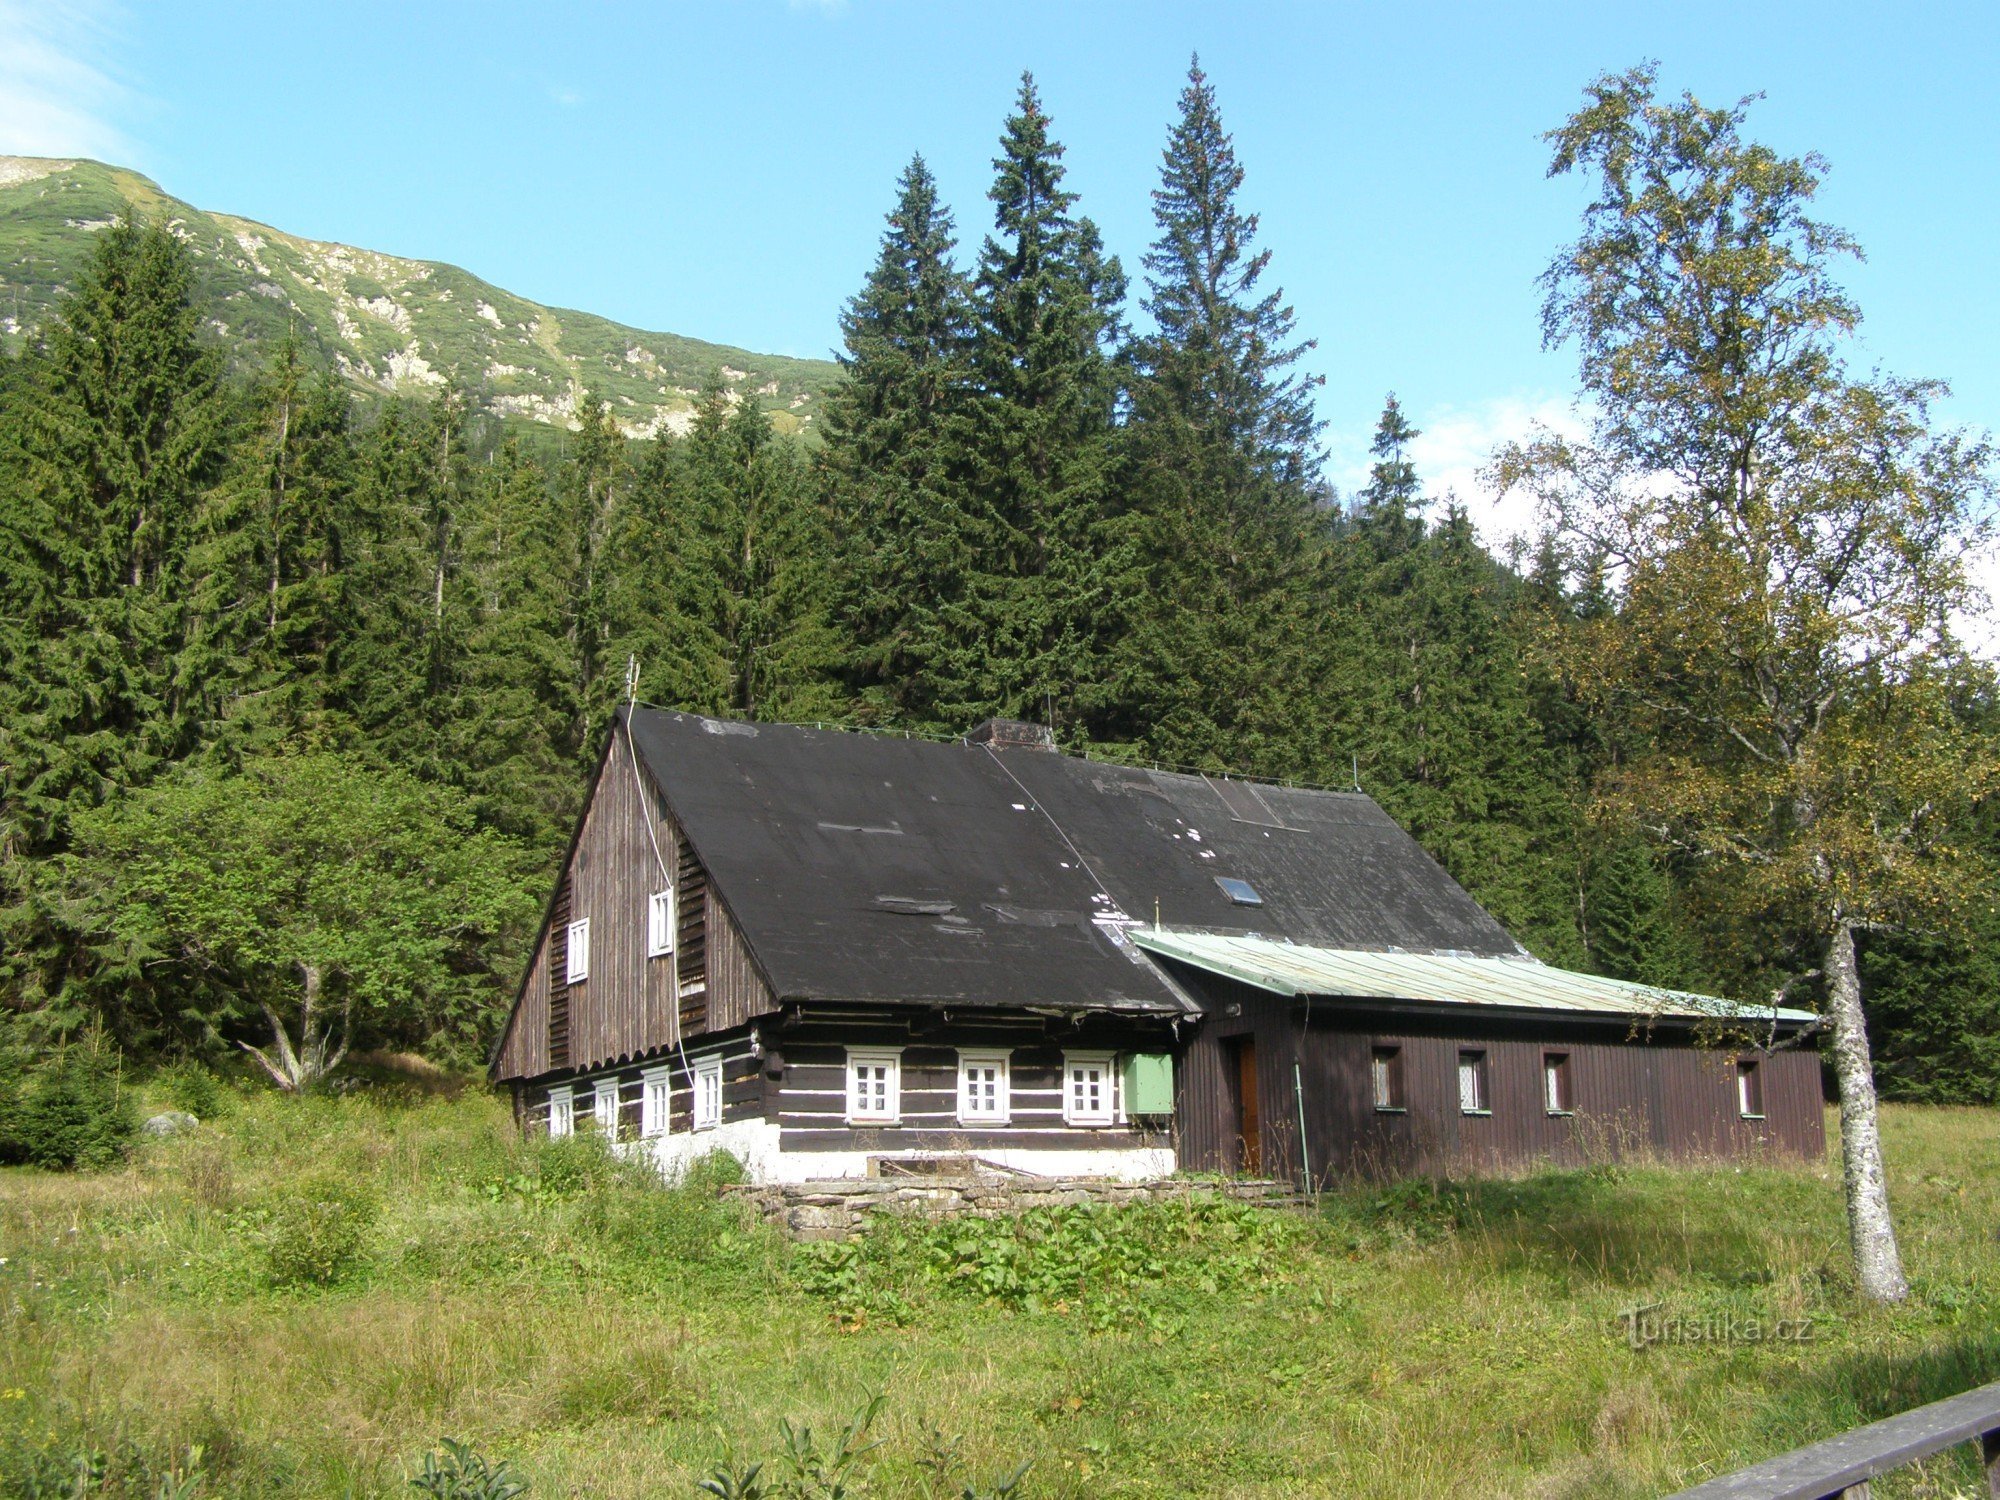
(723, 596)
(120, 442)
(1392, 498)
(1046, 301)
(905, 526)
(1224, 354)
(276, 594)
(1221, 463)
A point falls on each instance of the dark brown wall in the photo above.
(812, 1098)
(1662, 1096)
(629, 1004)
(743, 1088)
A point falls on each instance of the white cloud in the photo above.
(566, 97)
(1453, 445)
(57, 95)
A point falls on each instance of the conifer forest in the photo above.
(301, 686)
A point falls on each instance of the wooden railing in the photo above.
(1840, 1467)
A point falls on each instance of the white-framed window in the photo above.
(604, 1107)
(656, 1101)
(1472, 1097)
(1556, 1092)
(874, 1085)
(562, 1112)
(1749, 1089)
(984, 1088)
(660, 925)
(1386, 1074)
(1090, 1089)
(708, 1094)
(579, 950)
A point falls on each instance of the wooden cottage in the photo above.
(825, 952)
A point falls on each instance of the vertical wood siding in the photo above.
(1634, 1097)
(630, 1004)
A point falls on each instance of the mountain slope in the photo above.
(388, 324)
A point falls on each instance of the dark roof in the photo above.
(1330, 868)
(868, 867)
(862, 867)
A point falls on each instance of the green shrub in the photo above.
(190, 1086)
(315, 1234)
(573, 1165)
(459, 1471)
(69, 1113)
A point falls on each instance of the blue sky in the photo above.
(721, 169)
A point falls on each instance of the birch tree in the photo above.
(1787, 543)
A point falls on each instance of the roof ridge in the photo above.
(1085, 753)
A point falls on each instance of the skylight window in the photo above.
(1242, 892)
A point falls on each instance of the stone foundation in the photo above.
(839, 1209)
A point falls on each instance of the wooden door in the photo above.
(1249, 1128)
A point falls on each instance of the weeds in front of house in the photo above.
(1109, 1265)
(558, 1308)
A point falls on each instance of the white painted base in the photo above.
(755, 1144)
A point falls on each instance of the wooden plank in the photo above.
(1841, 1465)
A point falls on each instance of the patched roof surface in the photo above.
(868, 867)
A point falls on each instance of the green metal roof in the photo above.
(1443, 978)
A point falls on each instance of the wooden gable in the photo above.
(628, 847)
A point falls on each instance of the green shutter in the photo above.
(1149, 1083)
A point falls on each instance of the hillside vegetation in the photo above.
(303, 1297)
(387, 324)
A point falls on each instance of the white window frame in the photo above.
(1476, 1101)
(1558, 1084)
(660, 924)
(891, 1111)
(706, 1110)
(562, 1112)
(1749, 1088)
(576, 960)
(604, 1107)
(656, 1101)
(972, 1111)
(1075, 1110)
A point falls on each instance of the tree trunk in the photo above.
(1869, 1229)
(297, 1069)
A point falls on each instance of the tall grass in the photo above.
(610, 1336)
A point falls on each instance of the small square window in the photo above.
(579, 951)
(656, 1102)
(562, 1112)
(1386, 1071)
(708, 1094)
(1749, 1089)
(984, 1089)
(1472, 1095)
(660, 925)
(1556, 1096)
(1090, 1089)
(1242, 892)
(874, 1086)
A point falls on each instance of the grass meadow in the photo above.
(304, 1297)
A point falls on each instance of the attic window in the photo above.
(1242, 892)
(660, 924)
(576, 967)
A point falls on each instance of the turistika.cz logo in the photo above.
(1653, 1324)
